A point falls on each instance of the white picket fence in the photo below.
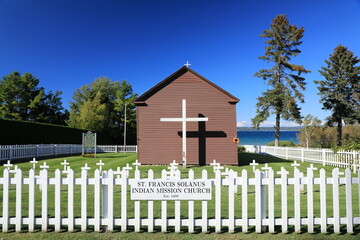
(343, 159)
(10, 152)
(241, 191)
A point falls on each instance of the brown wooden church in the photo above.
(161, 142)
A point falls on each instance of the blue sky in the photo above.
(67, 44)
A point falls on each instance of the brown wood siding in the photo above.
(160, 143)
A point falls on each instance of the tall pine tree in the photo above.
(283, 77)
(340, 92)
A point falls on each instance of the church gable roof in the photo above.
(141, 100)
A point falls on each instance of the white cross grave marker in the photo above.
(266, 168)
(64, 163)
(44, 166)
(282, 171)
(127, 169)
(187, 64)
(173, 166)
(218, 167)
(183, 120)
(254, 164)
(86, 167)
(8, 165)
(100, 164)
(312, 167)
(136, 164)
(214, 164)
(34, 162)
(295, 164)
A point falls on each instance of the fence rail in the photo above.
(342, 159)
(106, 186)
(10, 152)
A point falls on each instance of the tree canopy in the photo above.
(340, 91)
(284, 77)
(22, 99)
(100, 106)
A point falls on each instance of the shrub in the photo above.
(283, 143)
(241, 149)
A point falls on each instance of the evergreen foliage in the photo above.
(340, 91)
(99, 106)
(284, 77)
(22, 99)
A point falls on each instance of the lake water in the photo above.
(264, 137)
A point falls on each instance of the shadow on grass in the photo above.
(244, 158)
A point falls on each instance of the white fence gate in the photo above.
(10, 152)
(343, 159)
(243, 195)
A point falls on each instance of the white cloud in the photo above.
(282, 124)
(242, 124)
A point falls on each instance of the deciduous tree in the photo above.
(100, 106)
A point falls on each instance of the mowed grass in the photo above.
(112, 161)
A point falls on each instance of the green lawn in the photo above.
(112, 161)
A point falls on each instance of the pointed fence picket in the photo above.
(106, 187)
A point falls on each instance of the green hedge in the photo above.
(22, 132)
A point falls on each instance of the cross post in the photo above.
(295, 164)
(65, 163)
(187, 64)
(85, 167)
(34, 162)
(312, 167)
(127, 169)
(254, 164)
(44, 166)
(100, 164)
(136, 164)
(8, 165)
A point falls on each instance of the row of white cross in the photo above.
(66, 165)
(266, 167)
(172, 169)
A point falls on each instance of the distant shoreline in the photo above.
(270, 129)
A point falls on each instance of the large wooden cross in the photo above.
(183, 119)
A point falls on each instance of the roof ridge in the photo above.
(141, 99)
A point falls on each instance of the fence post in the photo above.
(323, 156)
(5, 203)
(260, 201)
(302, 154)
(286, 151)
(37, 151)
(10, 153)
(354, 162)
(104, 198)
(55, 151)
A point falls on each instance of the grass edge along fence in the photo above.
(107, 184)
(342, 159)
(10, 152)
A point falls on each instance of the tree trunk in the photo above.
(339, 133)
(277, 130)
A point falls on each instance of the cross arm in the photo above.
(184, 119)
